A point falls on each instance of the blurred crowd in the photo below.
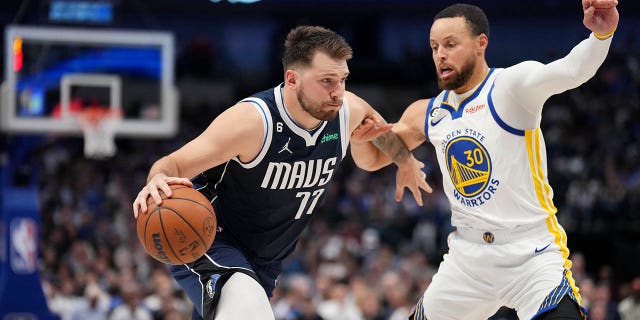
(364, 256)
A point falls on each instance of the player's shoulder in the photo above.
(515, 75)
(423, 101)
(358, 107)
(246, 112)
(421, 104)
(521, 67)
(416, 109)
(243, 107)
(354, 100)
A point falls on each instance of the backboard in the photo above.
(51, 73)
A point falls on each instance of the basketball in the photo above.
(181, 229)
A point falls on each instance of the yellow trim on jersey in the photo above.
(543, 192)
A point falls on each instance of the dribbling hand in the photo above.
(159, 182)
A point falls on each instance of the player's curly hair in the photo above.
(304, 41)
(475, 17)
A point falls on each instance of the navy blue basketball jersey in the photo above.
(265, 204)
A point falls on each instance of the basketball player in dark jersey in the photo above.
(265, 163)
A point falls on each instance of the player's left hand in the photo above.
(369, 129)
(600, 16)
(411, 176)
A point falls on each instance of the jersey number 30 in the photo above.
(305, 205)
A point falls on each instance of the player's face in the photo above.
(453, 49)
(322, 86)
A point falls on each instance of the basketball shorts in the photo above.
(526, 270)
(203, 279)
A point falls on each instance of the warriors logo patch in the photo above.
(469, 165)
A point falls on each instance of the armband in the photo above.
(605, 36)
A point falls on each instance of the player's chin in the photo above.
(446, 84)
(328, 115)
(333, 106)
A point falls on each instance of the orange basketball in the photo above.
(181, 229)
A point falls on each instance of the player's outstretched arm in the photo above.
(529, 84)
(374, 146)
(237, 132)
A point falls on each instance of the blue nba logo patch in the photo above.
(211, 285)
(23, 240)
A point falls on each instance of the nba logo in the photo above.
(23, 237)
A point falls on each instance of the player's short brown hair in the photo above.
(304, 41)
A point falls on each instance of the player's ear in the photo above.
(290, 78)
(482, 41)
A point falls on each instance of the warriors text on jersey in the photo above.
(475, 150)
(266, 203)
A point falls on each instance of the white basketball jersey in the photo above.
(494, 175)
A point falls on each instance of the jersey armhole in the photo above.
(267, 121)
(426, 117)
(497, 118)
(344, 127)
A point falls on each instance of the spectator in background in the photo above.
(602, 303)
(629, 307)
(94, 307)
(131, 308)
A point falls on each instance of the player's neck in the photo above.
(299, 115)
(479, 74)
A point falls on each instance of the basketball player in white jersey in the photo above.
(508, 249)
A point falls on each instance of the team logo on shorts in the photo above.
(211, 285)
(469, 165)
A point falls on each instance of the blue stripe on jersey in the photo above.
(499, 121)
(426, 119)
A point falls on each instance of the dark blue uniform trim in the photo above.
(426, 119)
(498, 120)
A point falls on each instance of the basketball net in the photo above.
(99, 127)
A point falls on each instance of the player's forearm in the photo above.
(165, 165)
(391, 145)
(367, 156)
(380, 152)
(585, 58)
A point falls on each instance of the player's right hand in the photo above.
(369, 129)
(411, 176)
(600, 16)
(159, 182)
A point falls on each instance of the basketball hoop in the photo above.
(99, 127)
